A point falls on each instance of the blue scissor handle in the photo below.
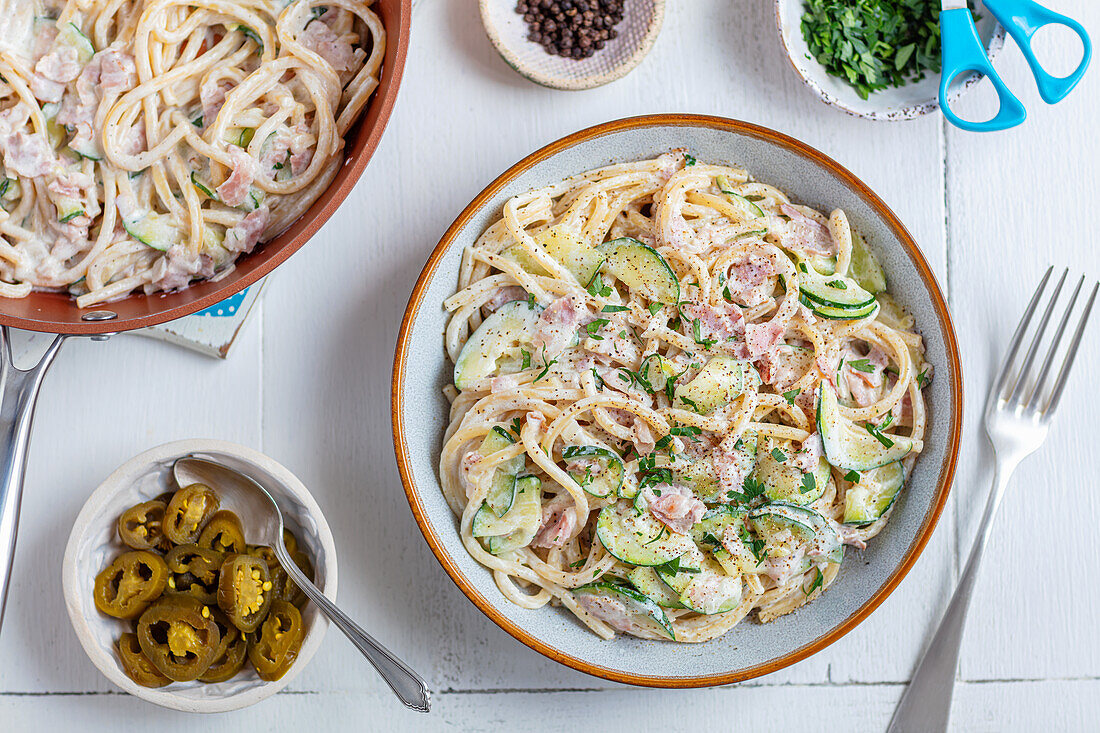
(963, 52)
(1022, 18)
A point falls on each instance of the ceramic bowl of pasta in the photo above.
(696, 385)
(181, 150)
(133, 508)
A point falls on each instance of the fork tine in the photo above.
(1040, 381)
(1025, 370)
(1014, 345)
(1052, 405)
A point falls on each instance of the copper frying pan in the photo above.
(57, 313)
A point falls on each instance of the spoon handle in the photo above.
(406, 684)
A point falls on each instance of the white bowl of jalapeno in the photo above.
(172, 602)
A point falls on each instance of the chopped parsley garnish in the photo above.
(526, 359)
(779, 455)
(653, 308)
(752, 489)
(877, 433)
(802, 267)
(756, 547)
(837, 284)
(197, 122)
(545, 364)
(530, 300)
(515, 426)
(578, 563)
(852, 476)
(689, 431)
(697, 333)
(726, 294)
(635, 379)
(614, 308)
(594, 327)
(597, 287)
(922, 378)
(659, 535)
(809, 483)
(674, 566)
(599, 380)
(690, 403)
(861, 365)
(689, 159)
(818, 580)
(790, 394)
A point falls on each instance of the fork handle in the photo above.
(926, 705)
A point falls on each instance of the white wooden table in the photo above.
(309, 385)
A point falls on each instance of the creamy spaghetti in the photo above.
(148, 143)
(678, 396)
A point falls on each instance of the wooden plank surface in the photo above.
(309, 385)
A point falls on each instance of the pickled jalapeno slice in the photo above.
(180, 637)
(223, 533)
(137, 666)
(126, 587)
(245, 591)
(188, 512)
(193, 571)
(274, 647)
(231, 654)
(142, 526)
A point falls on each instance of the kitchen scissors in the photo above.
(963, 52)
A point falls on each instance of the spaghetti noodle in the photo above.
(678, 396)
(148, 143)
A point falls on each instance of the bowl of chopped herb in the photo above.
(878, 59)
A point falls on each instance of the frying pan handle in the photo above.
(17, 400)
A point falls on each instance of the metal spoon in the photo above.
(260, 517)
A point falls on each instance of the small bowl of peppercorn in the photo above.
(877, 59)
(572, 44)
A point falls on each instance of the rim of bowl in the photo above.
(91, 512)
(571, 85)
(947, 467)
(901, 114)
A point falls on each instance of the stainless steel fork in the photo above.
(1017, 416)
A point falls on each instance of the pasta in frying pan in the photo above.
(678, 396)
(148, 143)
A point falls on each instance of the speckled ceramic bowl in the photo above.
(94, 542)
(636, 33)
(901, 103)
(421, 370)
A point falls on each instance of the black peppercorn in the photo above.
(573, 29)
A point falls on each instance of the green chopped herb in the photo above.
(852, 476)
(531, 300)
(837, 284)
(809, 483)
(673, 566)
(515, 426)
(659, 536)
(874, 430)
(754, 197)
(874, 44)
(526, 359)
(861, 365)
(922, 378)
(802, 267)
(751, 488)
(599, 380)
(653, 308)
(578, 563)
(790, 394)
(614, 308)
(697, 334)
(597, 287)
(594, 327)
(545, 364)
(689, 159)
(690, 403)
(818, 580)
(779, 455)
(726, 294)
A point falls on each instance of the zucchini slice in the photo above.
(519, 524)
(643, 269)
(649, 584)
(603, 473)
(709, 530)
(749, 208)
(702, 584)
(875, 492)
(702, 475)
(721, 380)
(638, 538)
(832, 291)
(657, 370)
(494, 348)
(851, 447)
(70, 35)
(643, 610)
(204, 188)
(503, 491)
(567, 248)
(783, 481)
(864, 268)
(779, 523)
(158, 231)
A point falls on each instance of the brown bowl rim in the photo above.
(947, 469)
(202, 295)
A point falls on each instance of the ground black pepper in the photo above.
(571, 28)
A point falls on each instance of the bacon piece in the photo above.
(178, 268)
(558, 324)
(557, 526)
(53, 71)
(760, 338)
(27, 155)
(212, 95)
(244, 236)
(234, 190)
(503, 383)
(321, 39)
(729, 466)
(807, 458)
(110, 72)
(676, 507)
(502, 295)
(803, 234)
(746, 276)
(610, 610)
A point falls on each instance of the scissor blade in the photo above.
(952, 4)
